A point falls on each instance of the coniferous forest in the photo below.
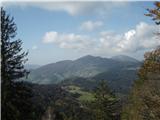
(98, 89)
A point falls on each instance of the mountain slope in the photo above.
(86, 67)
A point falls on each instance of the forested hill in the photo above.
(118, 71)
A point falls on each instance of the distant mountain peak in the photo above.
(86, 66)
(86, 57)
(124, 58)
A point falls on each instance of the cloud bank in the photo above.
(142, 37)
(70, 41)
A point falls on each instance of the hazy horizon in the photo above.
(79, 58)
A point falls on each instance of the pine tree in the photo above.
(12, 67)
(105, 104)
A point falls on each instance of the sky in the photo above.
(54, 31)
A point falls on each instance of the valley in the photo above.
(72, 85)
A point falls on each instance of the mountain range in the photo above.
(118, 71)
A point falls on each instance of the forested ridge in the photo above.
(79, 98)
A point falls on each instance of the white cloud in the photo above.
(90, 25)
(50, 37)
(71, 41)
(127, 42)
(134, 40)
(70, 7)
(141, 38)
(35, 47)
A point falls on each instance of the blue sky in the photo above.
(54, 31)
